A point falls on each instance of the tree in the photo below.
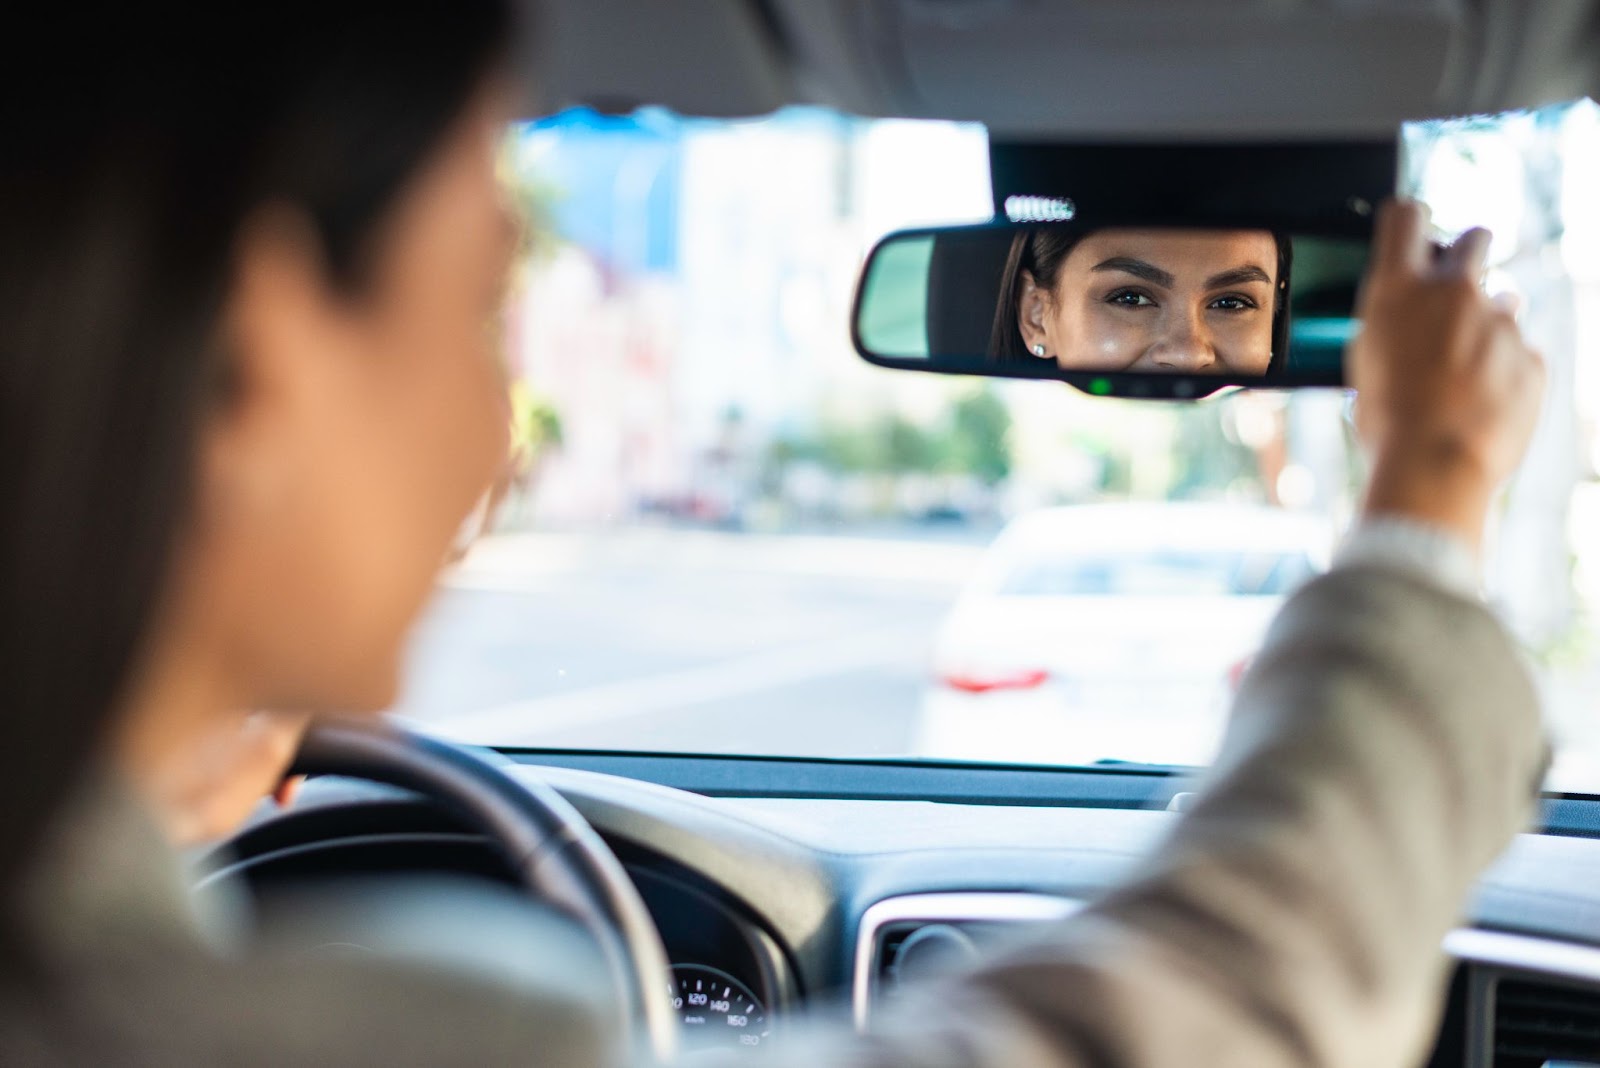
(1207, 462)
(980, 436)
(906, 448)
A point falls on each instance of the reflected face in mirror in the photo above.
(1173, 301)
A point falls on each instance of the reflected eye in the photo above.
(1234, 303)
(1130, 298)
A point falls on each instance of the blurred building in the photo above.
(703, 271)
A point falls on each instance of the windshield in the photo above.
(723, 532)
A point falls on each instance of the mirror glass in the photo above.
(1113, 304)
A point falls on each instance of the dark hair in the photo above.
(137, 147)
(1042, 250)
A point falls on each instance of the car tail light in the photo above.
(1237, 672)
(987, 682)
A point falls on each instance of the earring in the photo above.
(1038, 350)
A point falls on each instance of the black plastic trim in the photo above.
(1570, 815)
(878, 780)
(1566, 815)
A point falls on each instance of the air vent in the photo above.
(888, 949)
(1538, 1023)
(935, 926)
(925, 951)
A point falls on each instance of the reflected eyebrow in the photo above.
(1238, 276)
(1138, 268)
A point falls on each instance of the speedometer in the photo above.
(716, 1009)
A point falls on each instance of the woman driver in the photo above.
(247, 395)
(1208, 302)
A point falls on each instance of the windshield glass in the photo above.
(723, 532)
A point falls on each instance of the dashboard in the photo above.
(773, 905)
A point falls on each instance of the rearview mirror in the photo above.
(1144, 311)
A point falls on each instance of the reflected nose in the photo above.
(1184, 346)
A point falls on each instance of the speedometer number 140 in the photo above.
(716, 1009)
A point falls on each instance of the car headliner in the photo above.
(1073, 70)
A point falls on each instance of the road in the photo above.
(696, 641)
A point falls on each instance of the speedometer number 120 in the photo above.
(715, 1009)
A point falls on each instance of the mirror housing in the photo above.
(1305, 191)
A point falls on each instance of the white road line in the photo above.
(770, 669)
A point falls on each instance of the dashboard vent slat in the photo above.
(1536, 1023)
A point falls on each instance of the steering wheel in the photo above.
(556, 855)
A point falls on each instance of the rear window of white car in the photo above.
(1159, 574)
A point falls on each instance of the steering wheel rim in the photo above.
(556, 855)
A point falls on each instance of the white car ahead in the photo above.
(1112, 632)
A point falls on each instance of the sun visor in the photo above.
(1243, 68)
(698, 57)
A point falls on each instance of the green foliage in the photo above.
(973, 438)
(981, 436)
(533, 198)
(1206, 459)
(535, 425)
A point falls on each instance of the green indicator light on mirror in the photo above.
(1100, 387)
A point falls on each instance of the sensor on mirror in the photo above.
(1130, 310)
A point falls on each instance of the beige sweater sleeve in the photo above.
(1384, 749)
